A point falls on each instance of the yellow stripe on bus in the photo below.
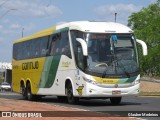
(106, 80)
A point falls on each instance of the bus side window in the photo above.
(15, 51)
(32, 49)
(20, 51)
(35, 48)
(54, 47)
(64, 45)
(26, 50)
(43, 46)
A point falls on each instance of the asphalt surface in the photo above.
(147, 104)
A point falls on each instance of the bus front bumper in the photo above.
(96, 91)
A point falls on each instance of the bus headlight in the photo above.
(136, 82)
(90, 81)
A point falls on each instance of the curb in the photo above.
(154, 80)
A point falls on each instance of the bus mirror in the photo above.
(84, 46)
(144, 46)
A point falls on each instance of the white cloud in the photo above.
(16, 29)
(29, 27)
(1, 27)
(153, 1)
(32, 8)
(5, 20)
(61, 22)
(122, 10)
(15, 26)
(119, 8)
(1, 39)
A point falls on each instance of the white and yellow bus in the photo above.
(83, 59)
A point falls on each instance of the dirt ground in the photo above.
(150, 88)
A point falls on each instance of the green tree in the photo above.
(146, 24)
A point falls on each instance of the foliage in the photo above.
(146, 24)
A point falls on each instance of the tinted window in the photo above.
(77, 48)
(43, 46)
(60, 44)
(31, 49)
(55, 43)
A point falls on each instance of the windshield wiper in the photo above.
(116, 61)
(122, 66)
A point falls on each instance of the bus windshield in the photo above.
(111, 54)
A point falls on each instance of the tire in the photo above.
(23, 92)
(29, 94)
(70, 97)
(115, 100)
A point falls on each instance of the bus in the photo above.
(81, 59)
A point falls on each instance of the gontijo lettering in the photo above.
(30, 65)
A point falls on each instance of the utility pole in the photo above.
(22, 32)
(115, 17)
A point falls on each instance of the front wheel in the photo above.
(70, 97)
(115, 100)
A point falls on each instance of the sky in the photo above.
(26, 17)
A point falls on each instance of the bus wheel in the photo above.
(70, 97)
(115, 100)
(23, 92)
(29, 94)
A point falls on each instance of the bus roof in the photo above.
(85, 26)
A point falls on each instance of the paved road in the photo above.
(127, 104)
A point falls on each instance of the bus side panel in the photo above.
(17, 76)
(57, 74)
(30, 70)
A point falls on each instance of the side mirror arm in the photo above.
(84, 46)
(144, 46)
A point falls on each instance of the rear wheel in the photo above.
(23, 91)
(115, 100)
(70, 97)
(29, 94)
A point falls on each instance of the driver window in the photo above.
(80, 56)
(78, 53)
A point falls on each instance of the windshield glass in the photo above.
(111, 54)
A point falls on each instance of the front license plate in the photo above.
(116, 92)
